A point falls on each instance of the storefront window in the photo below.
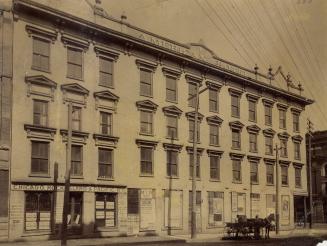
(74, 219)
(105, 210)
(216, 208)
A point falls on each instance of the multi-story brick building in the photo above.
(133, 129)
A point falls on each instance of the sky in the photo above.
(287, 33)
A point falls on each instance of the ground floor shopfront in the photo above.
(36, 210)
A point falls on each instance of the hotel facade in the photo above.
(133, 122)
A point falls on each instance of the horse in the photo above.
(269, 224)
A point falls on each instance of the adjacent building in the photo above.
(133, 123)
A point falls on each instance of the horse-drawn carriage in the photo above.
(249, 228)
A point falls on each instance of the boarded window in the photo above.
(216, 208)
(146, 83)
(41, 54)
(105, 210)
(146, 160)
(105, 163)
(105, 123)
(40, 113)
(171, 89)
(106, 72)
(74, 63)
(40, 157)
(77, 164)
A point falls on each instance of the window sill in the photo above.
(39, 175)
(147, 175)
(146, 134)
(176, 102)
(298, 187)
(40, 69)
(254, 183)
(76, 177)
(237, 182)
(236, 116)
(284, 185)
(174, 139)
(106, 179)
(254, 121)
(214, 145)
(166, 228)
(107, 86)
(214, 111)
(172, 177)
(270, 184)
(233, 148)
(150, 96)
(254, 151)
(214, 180)
(268, 124)
(197, 179)
(270, 154)
(191, 141)
(79, 79)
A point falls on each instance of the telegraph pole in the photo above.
(310, 130)
(277, 191)
(67, 177)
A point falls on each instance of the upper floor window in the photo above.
(145, 83)
(269, 145)
(282, 118)
(296, 119)
(77, 118)
(298, 177)
(105, 123)
(146, 122)
(172, 163)
(297, 152)
(253, 142)
(197, 173)
(254, 172)
(77, 160)
(40, 113)
(41, 54)
(191, 131)
(283, 148)
(284, 170)
(235, 102)
(270, 173)
(214, 134)
(214, 167)
(40, 158)
(146, 160)
(268, 106)
(213, 100)
(252, 110)
(236, 139)
(74, 63)
(237, 171)
(172, 126)
(191, 94)
(105, 158)
(106, 71)
(171, 89)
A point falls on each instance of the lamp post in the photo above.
(67, 177)
(195, 155)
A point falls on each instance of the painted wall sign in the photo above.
(147, 210)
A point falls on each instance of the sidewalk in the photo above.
(101, 241)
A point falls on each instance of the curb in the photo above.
(166, 241)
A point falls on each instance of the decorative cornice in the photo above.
(297, 138)
(283, 135)
(75, 88)
(147, 104)
(40, 132)
(252, 97)
(189, 150)
(190, 78)
(281, 106)
(105, 140)
(234, 91)
(236, 156)
(284, 163)
(142, 64)
(253, 129)
(170, 146)
(236, 125)
(269, 161)
(75, 42)
(268, 102)
(42, 81)
(33, 31)
(298, 164)
(167, 71)
(106, 95)
(214, 120)
(146, 143)
(296, 110)
(213, 85)
(172, 110)
(102, 51)
(78, 136)
(191, 115)
(213, 152)
(254, 158)
(268, 132)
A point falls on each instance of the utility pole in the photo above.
(310, 131)
(277, 191)
(67, 177)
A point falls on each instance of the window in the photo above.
(41, 54)
(40, 158)
(253, 142)
(105, 209)
(105, 163)
(268, 115)
(283, 148)
(133, 198)
(282, 118)
(214, 134)
(146, 122)
(171, 89)
(237, 176)
(77, 165)
(105, 123)
(236, 139)
(191, 130)
(76, 118)
(38, 211)
(269, 145)
(106, 72)
(197, 173)
(252, 110)
(216, 208)
(40, 113)
(214, 167)
(146, 161)
(172, 163)
(270, 173)
(296, 122)
(146, 83)
(235, 106)
(298, 178)
(297, 152)
(74, 63)
(191, 95)
(213, 100)
(284, 170)
(172, 127)
(75, 215)
(254, 172)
